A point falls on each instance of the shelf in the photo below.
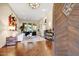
(48, 35)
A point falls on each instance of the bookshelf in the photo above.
(48, 34)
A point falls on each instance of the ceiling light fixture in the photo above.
(34, 5)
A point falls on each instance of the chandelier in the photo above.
(34, 5)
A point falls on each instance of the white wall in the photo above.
(48, 25)
(5, 11)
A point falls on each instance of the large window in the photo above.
(30, 27)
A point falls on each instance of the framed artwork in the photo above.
(68, 8)
(12, 23)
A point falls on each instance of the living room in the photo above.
(21, 21)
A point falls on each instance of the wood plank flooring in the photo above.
(40, 48)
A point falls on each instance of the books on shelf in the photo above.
(49, 35)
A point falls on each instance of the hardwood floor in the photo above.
(41, 48)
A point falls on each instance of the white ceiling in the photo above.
(25, 12)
